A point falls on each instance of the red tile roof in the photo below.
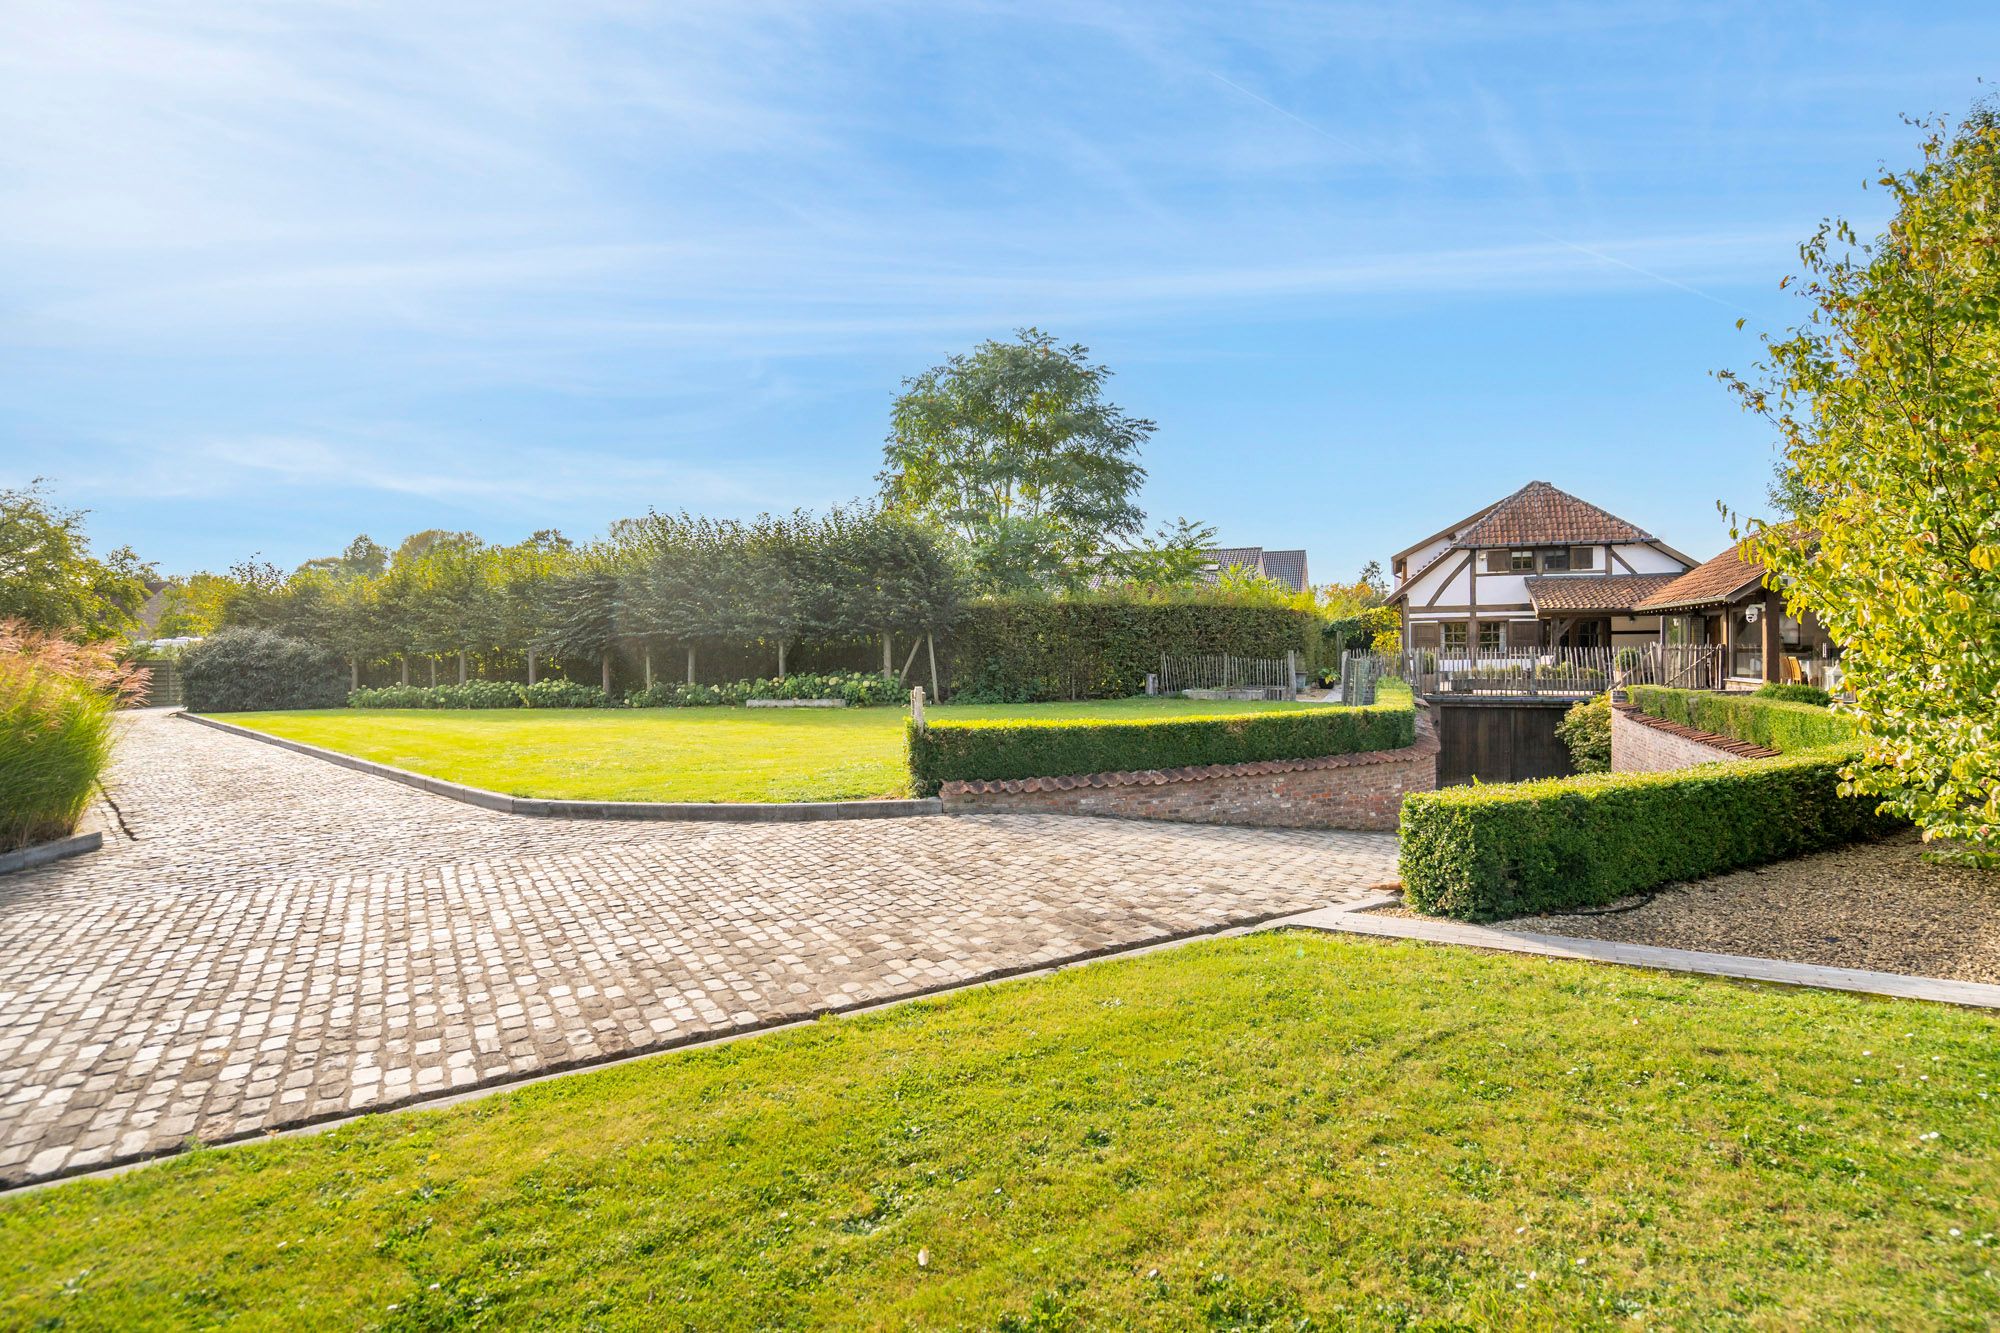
(1599, 592)
(1716, 581)
(1540, 515)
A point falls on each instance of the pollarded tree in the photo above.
(1015, 452)
(581, 615)
(1888, 402)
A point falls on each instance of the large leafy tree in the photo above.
(1887, 400)
(1014, 450)
(50, 580)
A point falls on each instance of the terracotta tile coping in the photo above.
(1729, 745)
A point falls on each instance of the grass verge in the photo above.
(1275, 1132)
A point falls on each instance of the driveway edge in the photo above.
(57, 849)
(745, 812)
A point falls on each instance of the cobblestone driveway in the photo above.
(283, 939)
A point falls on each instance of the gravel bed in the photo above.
(1877, 906)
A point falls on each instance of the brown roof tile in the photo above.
(1597, 592)
(1706, 584)
(1540, 515)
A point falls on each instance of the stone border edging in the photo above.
(744, 812)
(57, 849)
(1355, 919)
(1727, 744)
(1425, 744)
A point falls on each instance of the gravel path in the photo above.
(1872, 905)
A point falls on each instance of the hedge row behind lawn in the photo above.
(253, 670)
(968, 751)
(1488, 851)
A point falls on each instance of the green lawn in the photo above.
(668, 754)
(1275, 1132)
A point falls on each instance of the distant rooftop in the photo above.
(1286, 567)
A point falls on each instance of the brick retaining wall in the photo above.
(1348, 791)
(1641, 743)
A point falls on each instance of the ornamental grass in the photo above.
(56, 702)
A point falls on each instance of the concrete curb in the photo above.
(27, 858)
(786, 812)
(1354, 919)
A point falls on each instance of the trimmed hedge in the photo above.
(1101, 646)
(1775, 724)
(1484, 852)
(253, 670)
(967, 751)
(857, 688)
(1798, 694)
(483, 694)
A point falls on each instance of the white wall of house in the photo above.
(1456, 588)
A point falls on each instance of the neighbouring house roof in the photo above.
(1564, 594)
(1286, 567)
(1716, 581)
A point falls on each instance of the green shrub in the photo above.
(1101, 646)
(244, 670)
(1586, 730)
(857, 688)
(562, 694)
(472, 694)
(1798, 694)
(964, 751)
(56, 705)
(1483, 852)
(1774, 724)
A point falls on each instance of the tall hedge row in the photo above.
(1028, 650)
(1012, 748)
(1483, 852)
(242, 670)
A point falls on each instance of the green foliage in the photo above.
(1586, 730)
(1483, 852)
(858, 689)
(1014, 451)
(1798, 694)
(1102, 645)
(472, 694)
(1884, 403)
(240, 670)
(563, 694)
(962, 751)
(50, 581)
(1175, 557)
(1358, 631)
(1775, 724)
(56, 702)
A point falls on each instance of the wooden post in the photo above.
(917, 707)
(1774, 639)
(930, 648)
(531, 666)
(904, 674)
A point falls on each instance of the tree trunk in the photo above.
(531, 666)
(781, 659)
(649, 668)
(690, 664)
(406, 668)
(606, 660)
(888, 661)
(461, 666)
(930, 648)
(434, 673)
(353, 673)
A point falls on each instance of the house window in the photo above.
(1454, 637)
(1556, 561)
(1583, 557)
(1492, 636)
(1521, 561)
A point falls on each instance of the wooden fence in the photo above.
(1223, 671)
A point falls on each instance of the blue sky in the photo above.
(274, 274)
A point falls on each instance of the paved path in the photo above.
(283, 940)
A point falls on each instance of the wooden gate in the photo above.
(1500, 740)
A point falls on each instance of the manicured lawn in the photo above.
(667, 754)
(1276, 1132)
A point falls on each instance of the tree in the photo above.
(1174, 558)
(1885, 403)
(1014, 451)
(50, 581)
(364, 558)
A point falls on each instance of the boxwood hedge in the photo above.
(244, 670)
(965, 751)
(1484, 852)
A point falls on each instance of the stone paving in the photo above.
(281, 940)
